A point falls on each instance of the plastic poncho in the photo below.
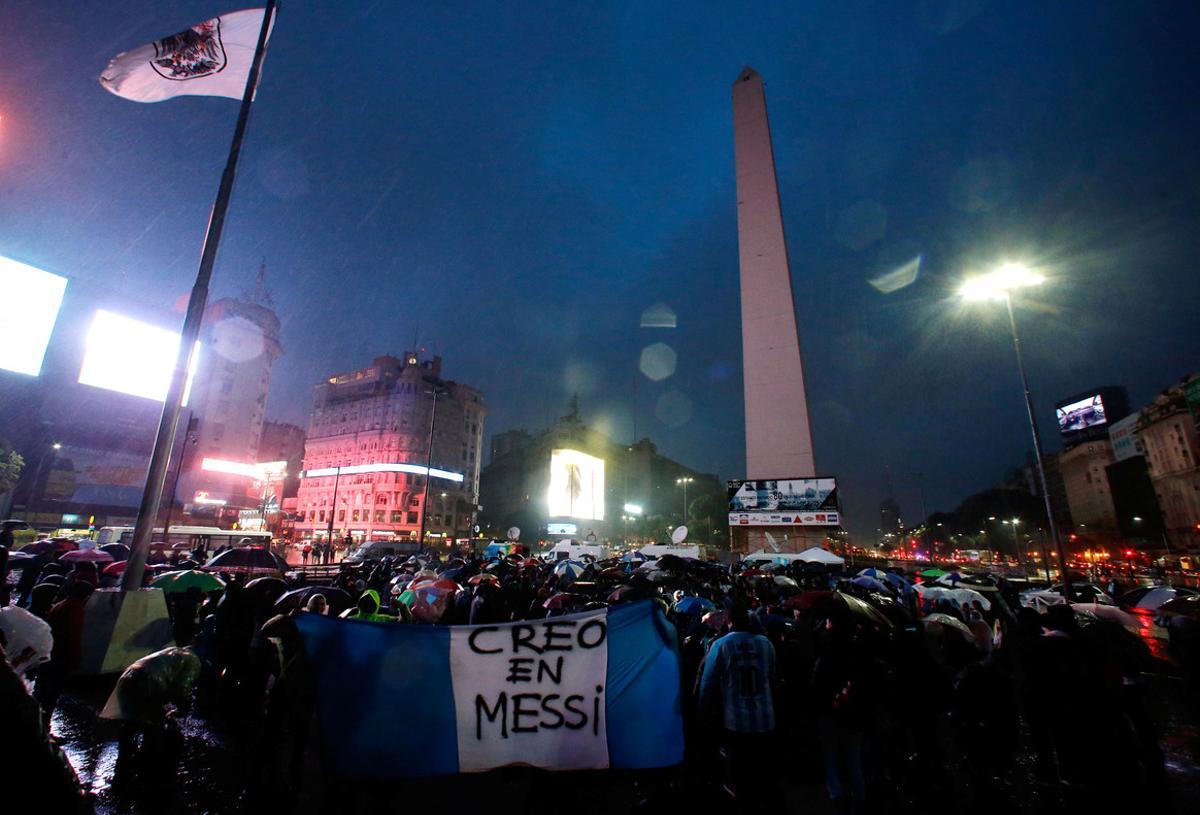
(375, 616)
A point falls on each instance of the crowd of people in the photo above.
(894, 691)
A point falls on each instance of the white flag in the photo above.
(212, 58)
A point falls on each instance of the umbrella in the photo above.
(248, 560)
(755, 573)
(431, 599)
(16, 559)
(869, 583)
(960, 595)
(716, 619)
(932, 574)
(1181, 607)
(483, 578)
(338, 599)
(806, 600)
(1117, 642)
(631, 557)
(119, 551)
(950, 578)
(863, 609)
(878, 574)
(24, 630)
(557, 601)
(569, 568)
(1151, 599)
(86, 555)
(530, 563)
(695, 606)
(946, 621)
(1105, 612)
(172, 582)
(270, 587)
(613, 571)
(624, 594)
(38, 547)
(785, 581)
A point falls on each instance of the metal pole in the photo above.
(1037, 451)
(156, 473)
(175, 482)
(337, 476)
(428, 467)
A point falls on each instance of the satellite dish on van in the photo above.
(514, 532)
(679, 535)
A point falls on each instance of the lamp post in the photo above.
(428, 466)
(337, 476)
(999, 285)
(685, 481)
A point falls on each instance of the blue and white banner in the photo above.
(586, 691)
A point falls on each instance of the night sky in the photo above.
(516, 183)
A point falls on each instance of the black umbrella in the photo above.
(248, 561)
(119, 551)
(338, 599)
(269, 587)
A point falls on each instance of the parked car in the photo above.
(1148, 599)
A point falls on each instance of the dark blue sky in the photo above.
(518, 183)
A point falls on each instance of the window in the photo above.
(397, 516)
(412, 517)
(341, 515)
(322, 516)
(354, 516)
(379, 513)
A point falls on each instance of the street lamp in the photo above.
(998, 286)
(36, 494)
(685, 481)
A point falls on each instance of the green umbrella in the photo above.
(934, 573)
(184, 580)
(408, 597)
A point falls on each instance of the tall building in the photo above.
(284, 442)
(1084, 471)
(368, 444)
(571, 480)
(1168, 432)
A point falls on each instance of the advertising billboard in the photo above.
(562, 529)
(32, 299)
(133, 357)
(1080, 415)
(81, 475)
(576, 485)
(784, 502)
(1124, 438)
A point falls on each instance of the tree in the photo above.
(11, 464)
(710, 512)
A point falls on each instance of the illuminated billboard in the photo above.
(129, 356)
(576, 485)
(1081, 415)
(31, 300)
(784, 502)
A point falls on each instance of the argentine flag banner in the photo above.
(586, 691)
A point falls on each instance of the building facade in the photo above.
(1168, 432)
(367, 446)
(1083, 469)
(634, 484)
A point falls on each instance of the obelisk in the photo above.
(778, 438)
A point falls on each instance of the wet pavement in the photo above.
(220, 757)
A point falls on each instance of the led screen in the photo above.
(784, 502)
(129, 356)
(576, 485)
(1081, 415)
(31, 300)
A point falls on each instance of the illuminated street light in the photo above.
(685, 481)
(998, 285)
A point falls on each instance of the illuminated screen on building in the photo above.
(32, 299)
(1080, 415)
(576, 485)
(129, 356)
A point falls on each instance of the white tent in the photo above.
(818, 555)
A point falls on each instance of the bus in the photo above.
(207, 538)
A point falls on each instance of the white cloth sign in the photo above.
(532, 693)
(211, 58)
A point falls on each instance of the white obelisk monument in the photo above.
(778, 438)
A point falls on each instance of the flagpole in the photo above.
(156, 474)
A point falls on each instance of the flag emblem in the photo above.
(192, 53)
